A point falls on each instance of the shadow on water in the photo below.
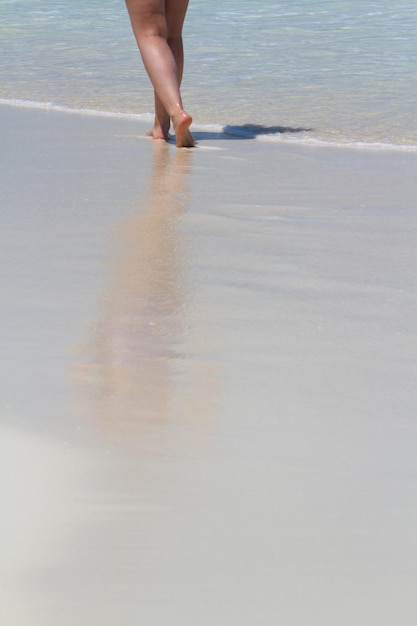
(248, 131)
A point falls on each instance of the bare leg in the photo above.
(157, 25)
(162, 122)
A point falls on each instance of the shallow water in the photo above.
(344, 70)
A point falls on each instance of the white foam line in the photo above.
(357, 145)
(52, 106)
(276, 138)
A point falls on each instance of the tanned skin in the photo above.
(157, 26)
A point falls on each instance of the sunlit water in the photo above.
(345, 71)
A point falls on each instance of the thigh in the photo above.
(175, 11)
(147, 16)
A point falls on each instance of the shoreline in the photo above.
(281, 135)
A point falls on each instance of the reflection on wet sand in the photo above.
(135, 356)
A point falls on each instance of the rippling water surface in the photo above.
(346, 70)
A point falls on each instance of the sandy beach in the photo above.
(208, 405)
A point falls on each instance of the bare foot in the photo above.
(158, 132)
(183, 137)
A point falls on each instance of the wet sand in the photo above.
(208, 379)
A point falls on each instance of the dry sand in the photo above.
(208, 407)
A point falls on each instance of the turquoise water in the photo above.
(344, 70)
